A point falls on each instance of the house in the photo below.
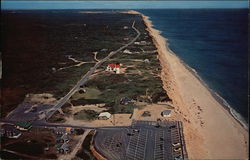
(23, 125)
(127, 51)
(63, 148)
(62, 138)
(166, 113)
(104, 116)
(125, 100)
(10, 131)
(114, 68)
(63, 130)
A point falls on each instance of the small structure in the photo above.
(10, 131)
(146, 60)
(146, 114)
(82, 90)
(138, 43)
(104, 50)
(114, 68)
(166, 113)
(53, 69)
(125, 27)
(63, 148)
(125, 100)
(104, 116)
(127, 51)
(143, 42)
(62, 138)
(126, 39)
(63, 130)
(23, 125)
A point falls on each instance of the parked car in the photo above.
(177, 149)
(176, 144)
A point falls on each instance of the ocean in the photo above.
(213, 42)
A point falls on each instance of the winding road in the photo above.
(84, 79)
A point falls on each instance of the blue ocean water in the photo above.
(214, 42)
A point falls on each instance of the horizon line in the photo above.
(48, 5)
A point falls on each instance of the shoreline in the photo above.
(175, 81)
(216, 96)
(237, 116)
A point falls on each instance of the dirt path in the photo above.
(76, 65)
(95, 54)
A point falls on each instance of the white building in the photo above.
(104, 116)
(113, 68)
(127, 51)
(166, 113)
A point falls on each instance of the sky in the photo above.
(7, 5)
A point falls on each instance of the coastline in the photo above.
(216, 96)
(198, 124)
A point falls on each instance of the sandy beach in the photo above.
(210, 131)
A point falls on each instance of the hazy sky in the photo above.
(120, 4)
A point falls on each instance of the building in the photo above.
(62, 138)
(127, 51)
(166, 113)
(114, 68)
(125, 27)
(63, 130)
(10, 131)
(23, 125)
(63, 148)
(104, 116)
(125, 100)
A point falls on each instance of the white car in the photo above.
(176, 144)
(177, 149)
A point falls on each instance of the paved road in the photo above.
(53, 125)
(84, 79)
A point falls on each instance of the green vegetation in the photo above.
(57, 117)
(140, 81)
(79, 35)
(91, 93)
(28, 53)
(86, 115)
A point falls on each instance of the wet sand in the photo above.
(210, 131)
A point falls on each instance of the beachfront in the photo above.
(210, 131)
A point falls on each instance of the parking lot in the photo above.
(144, 140)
